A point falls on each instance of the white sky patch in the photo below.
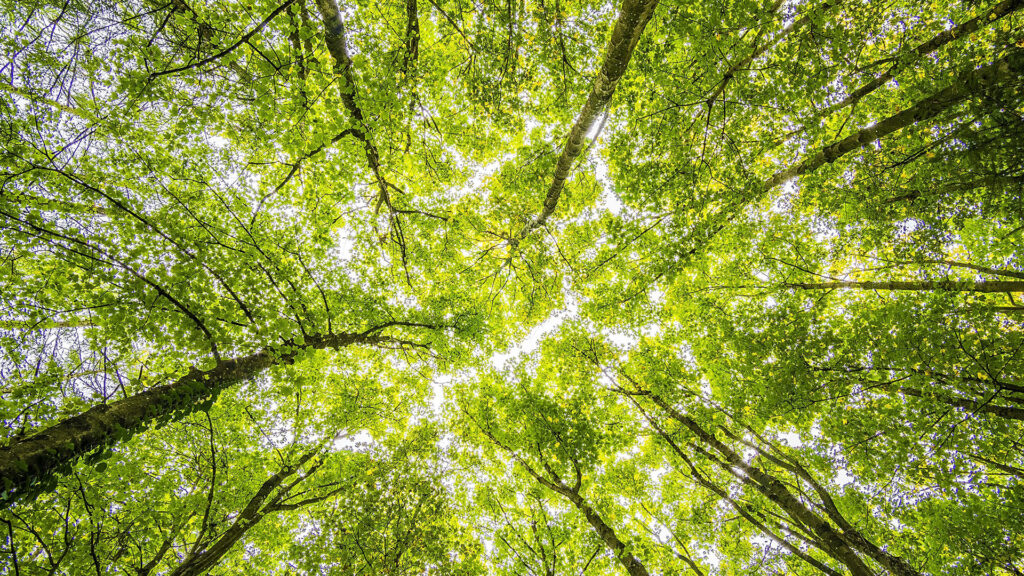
(791, 439)
(622, 340)
(652, 330)
(656, 296)
(437, 388)
(705, 387)
(684, 352)
(533, 338)
(485, 171)
(21, 102)
(658, 473)
(843, 477)
(763, 542)
(342, 247)
(712, 557)
(219, 142)
(826, 233)
(474, 186)
(790, 9)
(353, 442)
(908, 225)
(790, 189)
(597, 126)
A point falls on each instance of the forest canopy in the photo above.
(518, 287)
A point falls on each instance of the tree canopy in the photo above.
(532, 287)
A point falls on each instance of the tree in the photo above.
(515, 287)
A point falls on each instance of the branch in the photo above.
(244, 39)
(925, 48)
(986, 286)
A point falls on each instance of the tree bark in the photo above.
(29, 461)
(630, 562)
(990, 286)
(633, 18)
(209, 556)
(740, 508)
(968, 83)
(245, 38)
(412, 35)
(337, 45)
(974, 406)
(975, 267)
(838, 543)
(946, 36)
(832, 541)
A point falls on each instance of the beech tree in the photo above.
(524, 287)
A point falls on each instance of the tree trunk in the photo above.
(969, 83)
(208, 557)
(633, 18)
(975, 267)
(973, 406)
(946, 36)
(839, 544)
(831, 540)
(28, 462)
(743, 510)
(996, 286)
(630, 562)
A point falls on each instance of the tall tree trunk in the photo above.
(969, 83)
(744, 510)
(34, 459)
(973, 406)
(633, 18)
(337, 46)
(946, 36)
(255, 510)
(975, 267)
(996, 286)
(412, 35)
(839, 543)
(631, 563)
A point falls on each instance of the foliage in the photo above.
(533, 287)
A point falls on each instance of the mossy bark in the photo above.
(27, 465)
(633, 18)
